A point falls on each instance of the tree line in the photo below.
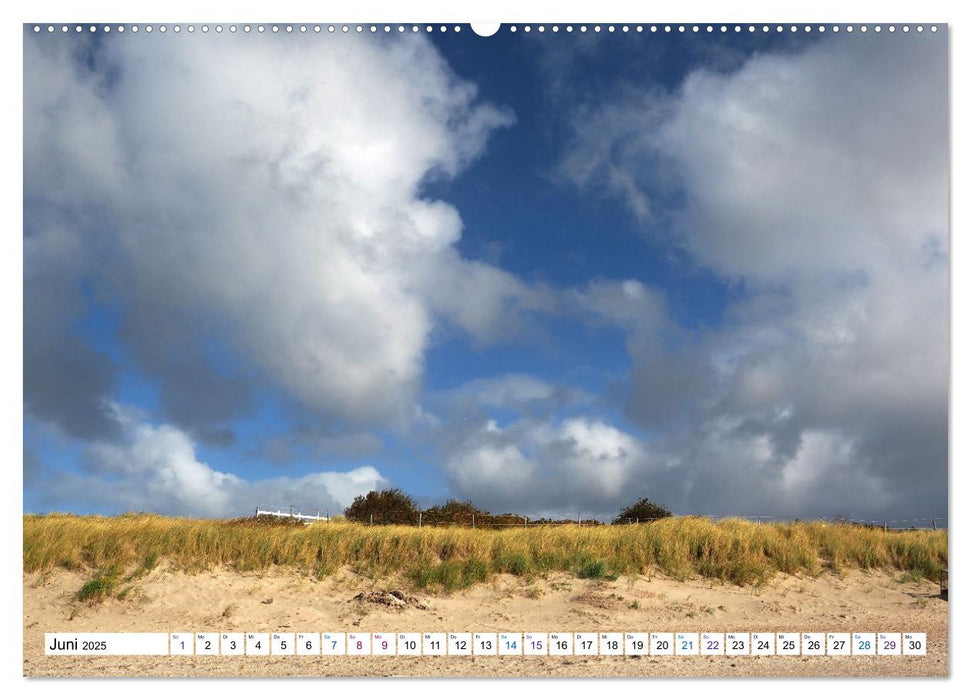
(394, 507)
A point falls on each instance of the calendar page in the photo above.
(485, 350)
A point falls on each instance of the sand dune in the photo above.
(223, 600)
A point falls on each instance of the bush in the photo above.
(454, 513)
(389, 507)
(642, 511)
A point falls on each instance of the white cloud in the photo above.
(544, 466)
(492, 473)
(510, 388)
(513, 391)
(627, 303)
(727, 466)
(155, 468)
(157, 471)
(797, 164)
(598, 457)
(816, 181)
(265, 198)
(489, 304)
(834, 159)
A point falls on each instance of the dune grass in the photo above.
(729, 550)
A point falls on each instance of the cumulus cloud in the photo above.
(793, 165)
(628, 303)
(817, 182)
(509, 389)
(155, 468)
(489, 304)
(551, 466)
(515, 392)
(720, 469)
(727, 466)
(252, 211)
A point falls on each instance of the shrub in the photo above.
(389, 507)
(642, 511)
(454, 513)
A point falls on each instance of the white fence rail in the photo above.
(290, 514)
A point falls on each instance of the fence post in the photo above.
(934, 523)
(525, 521)
(372, 519)
(473, 521)
(884, 525)
(578, 519)
(419, 520)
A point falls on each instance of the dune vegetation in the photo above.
(448, 558)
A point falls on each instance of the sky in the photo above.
(552, 274)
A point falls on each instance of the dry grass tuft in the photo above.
(729, 550)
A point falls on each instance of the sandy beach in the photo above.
(282, 600)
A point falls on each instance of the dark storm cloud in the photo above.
(193, 393)
(66, 382)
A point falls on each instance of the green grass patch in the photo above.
(102, 585)
(597, 569)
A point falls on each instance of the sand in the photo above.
(227, 601)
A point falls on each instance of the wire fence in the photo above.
(939, 523)
(493, 522)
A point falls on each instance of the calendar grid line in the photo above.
(511, 644)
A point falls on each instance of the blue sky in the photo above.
(548, 273)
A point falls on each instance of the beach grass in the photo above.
(449, 558)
